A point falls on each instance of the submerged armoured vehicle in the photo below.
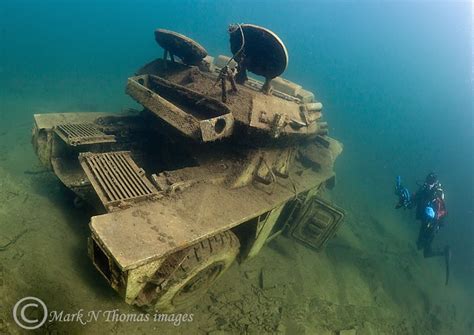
(214, 166)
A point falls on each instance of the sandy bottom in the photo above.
(369, 280)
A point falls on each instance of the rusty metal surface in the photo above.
(188, 100)
(82, 133)
(50, 120)
(152, 230)
(265, 109)
(117, 179)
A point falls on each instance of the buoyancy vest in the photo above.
(440, 208)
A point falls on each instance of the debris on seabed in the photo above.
(13, 240)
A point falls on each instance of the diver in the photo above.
(430, 210)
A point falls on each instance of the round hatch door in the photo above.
(188, 50)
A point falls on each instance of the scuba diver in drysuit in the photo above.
(430, 211)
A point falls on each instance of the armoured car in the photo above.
(216, 165)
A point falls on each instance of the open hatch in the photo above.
(192, 113)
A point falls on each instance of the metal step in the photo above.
(117, 179)
(82, 133)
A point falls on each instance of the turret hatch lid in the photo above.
(190, 51)
(263, 51)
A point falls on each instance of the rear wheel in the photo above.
(187, 275)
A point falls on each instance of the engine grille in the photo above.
(82, 133)
(117, 179)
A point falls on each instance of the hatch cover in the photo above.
(318, 223)
(258, 49)
(190, 51)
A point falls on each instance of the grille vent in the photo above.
(82, 133)
(117, 179)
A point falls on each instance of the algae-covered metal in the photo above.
(205, 174)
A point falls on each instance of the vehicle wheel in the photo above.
(200, 266)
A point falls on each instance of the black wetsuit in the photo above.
(428, 227)
(428, 230)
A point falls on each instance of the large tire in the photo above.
(201, 266)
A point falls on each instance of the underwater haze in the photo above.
(396, 82)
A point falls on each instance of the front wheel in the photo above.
(185, 277)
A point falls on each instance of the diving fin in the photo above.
(447, 256)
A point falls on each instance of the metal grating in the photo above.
(82, 133)
(116, 178)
